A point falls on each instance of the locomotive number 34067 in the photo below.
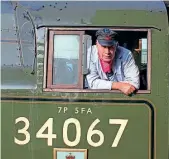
(50, 135)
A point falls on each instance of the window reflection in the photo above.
(144, 51)
(66, 56)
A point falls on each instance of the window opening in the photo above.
(70, 64)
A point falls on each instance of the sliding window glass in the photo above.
(64, 59)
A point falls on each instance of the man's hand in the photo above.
(126, 88)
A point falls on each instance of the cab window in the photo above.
(68, 56)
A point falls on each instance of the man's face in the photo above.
(106, 53)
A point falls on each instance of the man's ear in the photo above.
(96, 42)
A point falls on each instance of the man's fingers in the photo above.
(131, 90)
(128, 89)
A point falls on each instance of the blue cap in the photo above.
(106, 37)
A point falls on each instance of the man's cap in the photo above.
(106, 37)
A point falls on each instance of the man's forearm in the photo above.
(100, 84)
(116, 85)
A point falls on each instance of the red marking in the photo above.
(107, 38)
(70, 156)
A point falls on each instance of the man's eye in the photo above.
(112, 48)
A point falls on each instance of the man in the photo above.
(110, 66)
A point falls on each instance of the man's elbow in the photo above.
(136, 84)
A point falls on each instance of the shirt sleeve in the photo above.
(131, 71)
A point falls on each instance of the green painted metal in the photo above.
(134, 143)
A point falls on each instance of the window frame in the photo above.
(50, 84)
(81, 30)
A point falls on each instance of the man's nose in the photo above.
(107, 53)
(107, 50)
